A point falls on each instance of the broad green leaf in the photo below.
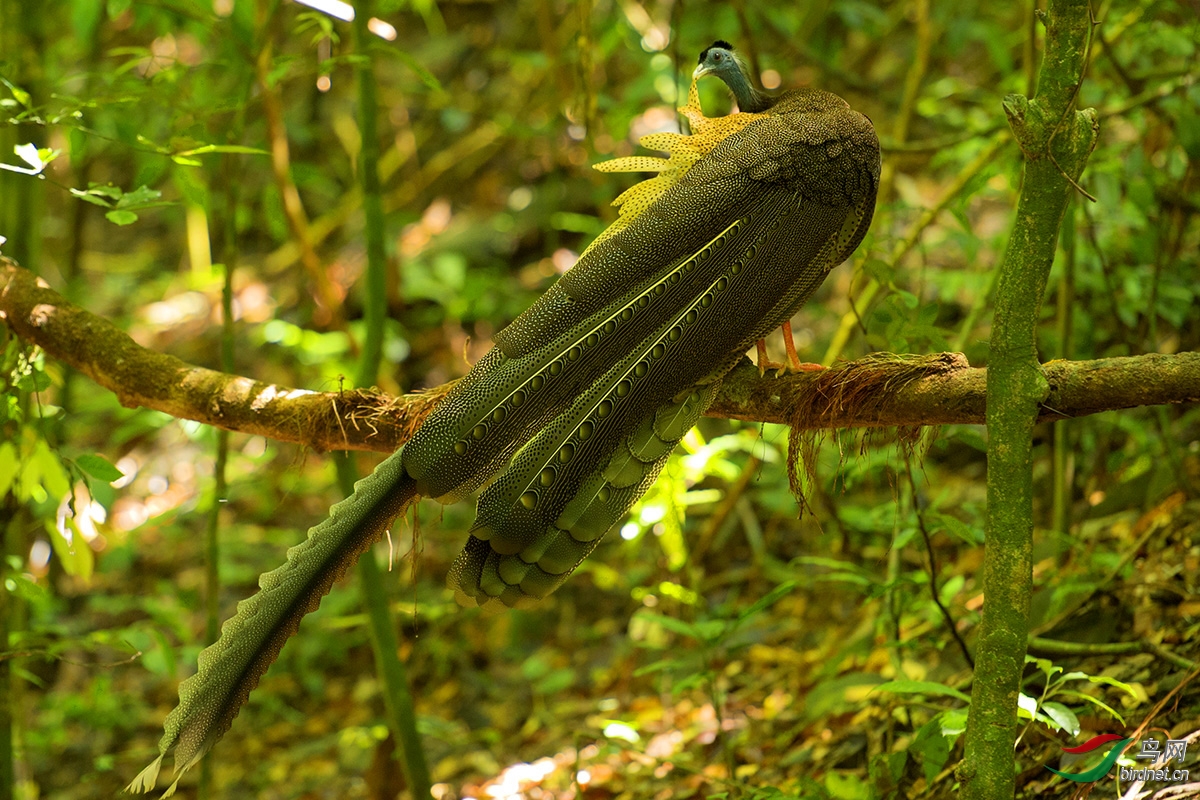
(953, 721)
(99, 467)
(139, 197)
(1063, 716)
(121, 217)
(34, 381)
(847, 786)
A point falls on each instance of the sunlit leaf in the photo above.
(121, 217)
(99, 467)
(71, 548)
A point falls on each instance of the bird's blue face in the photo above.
(717, 60)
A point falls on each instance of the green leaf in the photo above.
(105, 190)
(139, 197)
(99, 468)
(847, 786)
(907, 299)
(952, 525)
(1063, 717)
(71, 548)
(46, 468)
(121, 217)
(843, 571)
(1102, 679)
(91, 197)
(903, 537)
(223, 148)
(1089, 699)
(879, 270)
(18, 93)
(661, 666)
(36, 381)
(674, 625)
(769, 599)
(921, 687)
(427, 77)
(953, 721)
(8, 467)
(931, 747)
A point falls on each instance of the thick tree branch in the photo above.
(356, 420)
(877, 391)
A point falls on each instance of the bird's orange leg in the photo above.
(765, 363)
(794, 363)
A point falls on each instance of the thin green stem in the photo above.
(229, 260)
(375, 294)
(391, 670)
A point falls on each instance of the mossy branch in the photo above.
(877, 391)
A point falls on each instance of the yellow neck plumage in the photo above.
(683, 152)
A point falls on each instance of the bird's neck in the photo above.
(749, 98)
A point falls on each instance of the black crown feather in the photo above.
(721, 43)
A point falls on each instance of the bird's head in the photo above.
(718, 59)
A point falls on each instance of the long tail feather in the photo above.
(230, 668)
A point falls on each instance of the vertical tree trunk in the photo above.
(1056, 141)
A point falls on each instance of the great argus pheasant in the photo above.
(572, 414)
(719, 59)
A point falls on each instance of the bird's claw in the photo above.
(793, 365)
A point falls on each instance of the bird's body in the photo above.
(586, 393)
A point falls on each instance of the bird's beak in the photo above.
(699, 72)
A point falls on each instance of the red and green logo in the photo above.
(1100, 770)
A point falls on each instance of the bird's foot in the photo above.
(765, 363)
(793, 366)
